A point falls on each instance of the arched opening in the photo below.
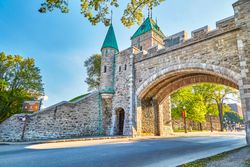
(120, 116)
(153, 97)
(205, 107)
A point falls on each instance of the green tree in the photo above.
(93, 66)
(98, 10)
(185, 99)
(220, 95)
(233, 117)
(202, 99)
(216, 94)
(20, 80)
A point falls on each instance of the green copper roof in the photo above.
(146, 26)
(110, 40)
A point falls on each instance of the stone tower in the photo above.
(108, 65)
(109, 50)
(147, 35)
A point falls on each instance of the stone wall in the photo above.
(64, 120)
(219, 50)
(149, 118)
(123, 98)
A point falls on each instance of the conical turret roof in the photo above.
(110, 39)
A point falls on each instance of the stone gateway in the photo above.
(136, 83)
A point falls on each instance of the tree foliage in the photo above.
(200, 100)
(20, 80)
(97, 11)
(93, 66)
(233, 117)
(186, 100)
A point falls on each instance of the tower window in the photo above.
(105, 69)
(120, 68)
(125, 67)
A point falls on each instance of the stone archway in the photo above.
(153, 96)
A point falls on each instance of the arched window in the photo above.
(125, 67)
(105, 69)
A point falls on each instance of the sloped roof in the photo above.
(147, 26)
(110, 39)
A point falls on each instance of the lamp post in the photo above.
(24, 120)
(184, 118)
(42, 98)
(211, 123)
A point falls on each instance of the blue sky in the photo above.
(61, 42)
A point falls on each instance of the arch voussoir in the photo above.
(223, 76)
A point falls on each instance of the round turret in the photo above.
(109, 51)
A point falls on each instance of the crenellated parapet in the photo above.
(181, 39)
(176, 39)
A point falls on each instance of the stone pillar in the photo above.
(113, 122)
(165, 110)
(161, 120)
(138, 117)
(158, 121)
(149, 117)
(242, 20)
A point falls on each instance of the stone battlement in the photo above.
(180, 40)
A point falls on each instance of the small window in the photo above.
(125, 67)
(120, 68)
(105, 69)
(140, 47)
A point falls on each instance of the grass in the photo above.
(204, 162)
(78, 97)
(247, 162)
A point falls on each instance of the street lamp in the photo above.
(184, 118)
(42, 98)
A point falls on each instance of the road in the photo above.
(118, 153)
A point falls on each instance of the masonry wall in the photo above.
(221, 50)
(149, 118)
(123, 97)
(64, 121)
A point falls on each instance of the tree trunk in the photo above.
(220, 108)
(201, 129)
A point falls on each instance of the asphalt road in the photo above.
(123, 153)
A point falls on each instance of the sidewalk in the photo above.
(95, 138)
(111, 139)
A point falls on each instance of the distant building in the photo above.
(31, 106)
(236, 108)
